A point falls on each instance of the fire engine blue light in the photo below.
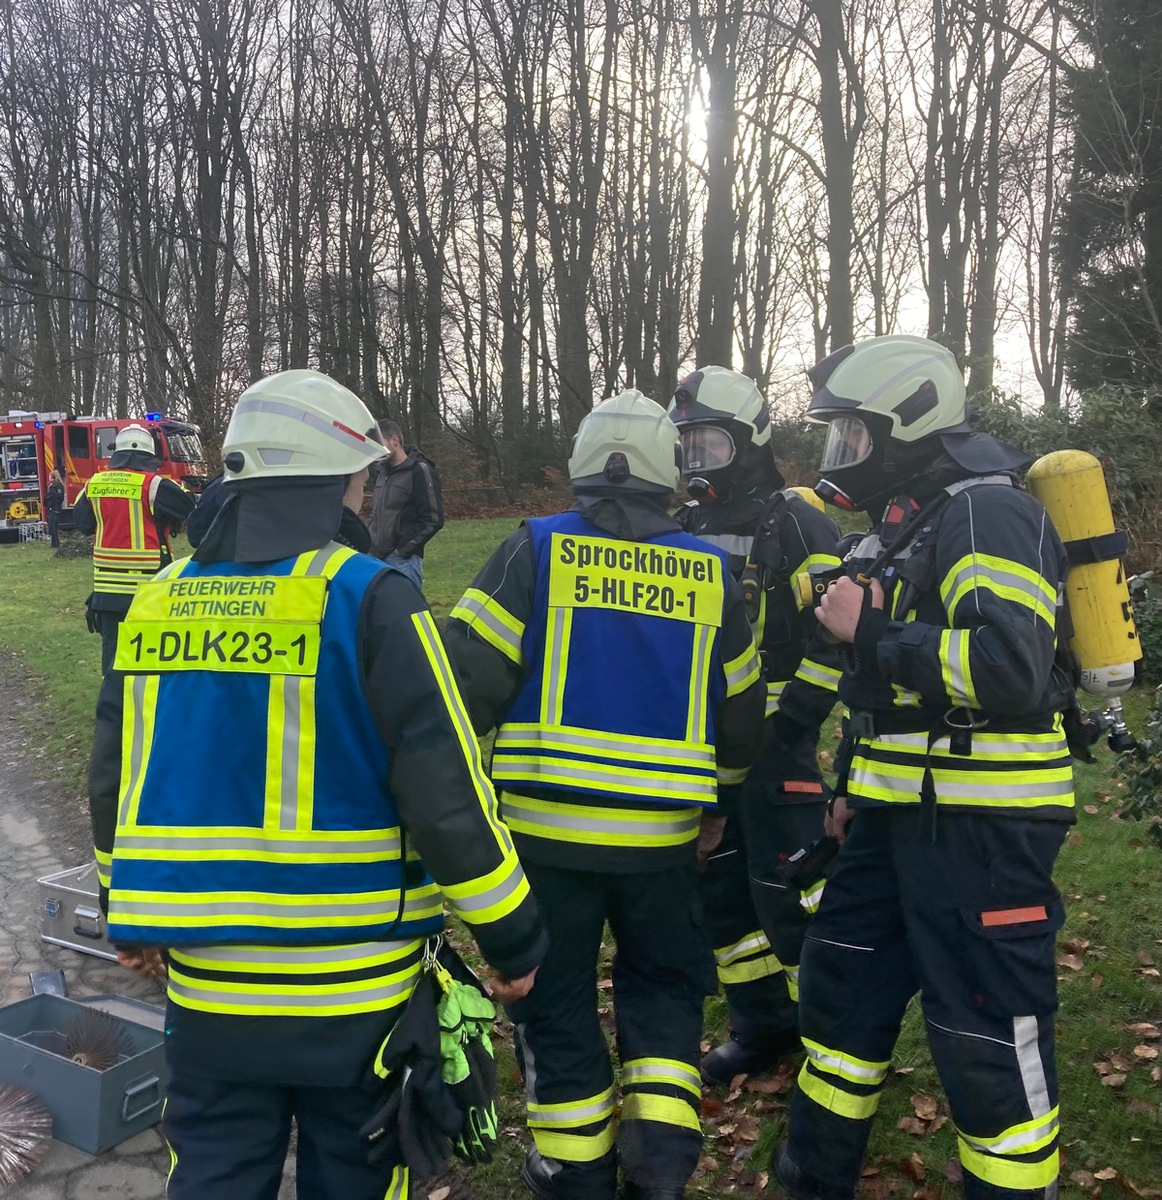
(39, 424)
(153, 416)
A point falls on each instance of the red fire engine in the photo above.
(33, 444)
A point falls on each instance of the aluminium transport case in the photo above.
(70, 914)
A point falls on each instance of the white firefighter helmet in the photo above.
(627, 441)
(299, 423)
(134, 437)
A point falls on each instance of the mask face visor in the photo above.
(706, 448)
(849, 441)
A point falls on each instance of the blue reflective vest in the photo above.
(268, 819)
(625, 669)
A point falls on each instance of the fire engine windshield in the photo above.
(184, 445)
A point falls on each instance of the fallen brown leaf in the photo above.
(1141, 1108)
(440, 1194)
(1096, 980)
(924, 1106)
(1105, 1173)
(1145, 1052)
(712, 1108)
(1145, 958)
(916, 1165)
(1147, 972)
(726, 1130)
(706, 1163)
(912, 1125)
(904, 1070)
(1156, 1074)
(938, 1124)
(1075, 945)
(605, 985)
(1082, 1178)
(1091, 809)
(953, 1171)
(748, 1129)
(1146, 1030)
(1102, 1067)
(1113, 1081)
(1073, 962)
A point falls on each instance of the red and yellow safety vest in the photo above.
(128, 548)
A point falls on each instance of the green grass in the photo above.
(1111, 879)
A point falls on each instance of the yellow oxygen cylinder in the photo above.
(808, 494)
(1071, 486)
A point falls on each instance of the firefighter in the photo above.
(757, 918)
(612, 653)
(956, 770)
(132, 510)
(293, 868)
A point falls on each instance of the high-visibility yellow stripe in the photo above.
(954, 666)
(140, 708)
(491, 621)
(667, 1072)
(104, 867)
(668, 1110)
(1005, 1173)
(698, 695)
(742, 671)
(433, 647)
(599, 826)
(834, 1099)
(753, 968)
(732, 776)
(750, 943)
(571, 1114)
(818, 674)
(305, 745)
(614, 748)
(1024, 1138)
(845, 1065)
(1010, 580)
(495, 895)
(575, 1147)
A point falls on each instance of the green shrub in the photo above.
(1141, 770)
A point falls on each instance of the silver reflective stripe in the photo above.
(361, 848)
(137, 747)
(747, 667)
(810, 900)
(605, 745)
(242, 906)
(296, 956)
(814, 673)
(479, 612)
(494, 895)
(738, 544)
(372, 450)
(377, 993)
(576, 1115)
(655, 1072)
(398, 1188)
(958, 683)
(984, 746)
(699, 668)
(1022, 1142)
(839, 1064)
(530, 1061)
(555, 667)
(750, 944)
(1008, 791)
(1005, 579)
(774, 691)
(292, 697)
(674, 787)
(1025, 1039)
(595, 824)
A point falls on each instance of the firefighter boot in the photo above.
(538, 1173)
(797, 1186)
(634, 1191)
(747, 1054)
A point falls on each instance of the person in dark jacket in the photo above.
(758, 918)
(132, 511)
(406, 511)
(54, 499)
(954, 787)
(293, 873)
(612, 653)
(209, 503)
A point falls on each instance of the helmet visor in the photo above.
(849, 441)
(706, 448)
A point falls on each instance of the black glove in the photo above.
(93, 620)
(418, 1118)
